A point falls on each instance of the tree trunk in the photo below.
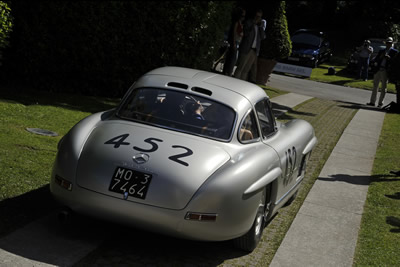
(264, 69)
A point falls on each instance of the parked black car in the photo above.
(309, 48)
(376, 43)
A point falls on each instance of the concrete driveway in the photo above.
(324, 90)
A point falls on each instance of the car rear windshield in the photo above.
(180, 111)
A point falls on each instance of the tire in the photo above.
(249, 241)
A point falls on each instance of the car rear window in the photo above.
(179, 111)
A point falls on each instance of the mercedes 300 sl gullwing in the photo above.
(187, 153)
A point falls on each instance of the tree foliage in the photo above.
(6, 23)
(101, 47)
(277, 44)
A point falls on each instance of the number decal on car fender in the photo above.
(120, 140)
(290, 161)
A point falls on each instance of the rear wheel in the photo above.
(250, 240)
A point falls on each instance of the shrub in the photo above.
(277, 44)
(101, 47)
(6, 23)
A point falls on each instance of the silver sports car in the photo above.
(187, 153)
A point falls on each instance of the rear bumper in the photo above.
(154, 219)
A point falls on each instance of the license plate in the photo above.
(130, 183)
(293, 58)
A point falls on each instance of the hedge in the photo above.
(102, 47)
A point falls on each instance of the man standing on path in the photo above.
(363, 61)
(381, 65)
(250, 46)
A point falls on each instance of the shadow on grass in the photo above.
(394, 196)
(393, 221)
(281, 112)
(356, 106)
(68, 101)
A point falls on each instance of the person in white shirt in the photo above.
(363, 60)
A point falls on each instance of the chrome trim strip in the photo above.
(291, 189)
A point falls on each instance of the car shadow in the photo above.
(21, 210)
(31, 227)
(126, 245)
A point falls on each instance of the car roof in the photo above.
(231, 91)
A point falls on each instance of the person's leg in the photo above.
(360, 68)
(366, 68)
(375, 88)
(253, 72)
(251, 57)
(364, 74)
(384, 82)
(241, 63)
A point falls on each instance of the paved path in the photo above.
(325, 230)
(323, 90)
(283, 103)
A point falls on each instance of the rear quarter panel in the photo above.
(289, 143)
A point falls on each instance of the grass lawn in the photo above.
(26, 159)
(343, 77)
(379, 236)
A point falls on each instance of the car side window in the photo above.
(265, 118)
(248, 129)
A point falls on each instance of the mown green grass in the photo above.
(343, 77)
(379, 236)
(272, 92)
(26, 159)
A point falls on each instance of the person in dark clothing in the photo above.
(234, 38)
(381, 66)
(250, 46)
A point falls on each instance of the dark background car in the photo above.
(309, 48)
(376, 43)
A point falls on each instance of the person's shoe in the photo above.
(365, 80)
(371, 104)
